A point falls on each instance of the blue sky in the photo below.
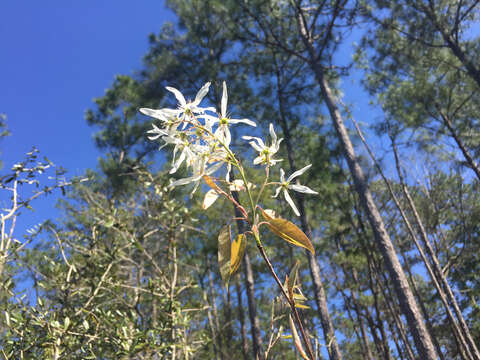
(56, 57)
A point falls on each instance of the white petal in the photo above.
(272, 134)
(158, 114)
(271, 213)
(275, 147)
(290, 202)
(178, 95)
(242, 121)
(178, 162)
(258, 160)
(209, 198)
(282, 176)
(256, 146)
(227, 175)
(237, 185)
(224, 100)
(154, 137)
(298, 172)
(157, 130)
(184, 181)
(175, 149)
(223, 134)
(302, 188)
(213, 168)
(201, 93)
(210, 108)
(209, 118)
(277, 191)
(261, 143)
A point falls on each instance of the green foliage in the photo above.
(130, 270)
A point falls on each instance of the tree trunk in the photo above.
(250, 289)
(315, 272)
(411, 232)
(408, 304)
(216, 322)
(252, 309)
(243, 330)
(471, 349)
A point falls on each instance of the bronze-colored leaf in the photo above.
(224, 251)
(288, 231)
(208, 180)
(236, 252)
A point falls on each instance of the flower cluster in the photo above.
(202, 141)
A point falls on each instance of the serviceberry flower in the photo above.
(185, 110)
(266, 152)
(285, 186)
(223, 132)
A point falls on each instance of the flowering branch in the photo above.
(204, 150)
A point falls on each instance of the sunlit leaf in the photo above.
(301, 306)
(237, 251)
(224, 253)
(299, 297)
(66, 323)
(292, 278)
(288, 231)
(208, 180)
(209, 198)
(109, 223)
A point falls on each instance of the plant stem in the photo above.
(291, 302)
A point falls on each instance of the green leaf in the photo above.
(109, 223)
(7, 318)
(66, 323)
(301, 306)
(292, 278)
(288, 231)
(224, 253)
(236, 252)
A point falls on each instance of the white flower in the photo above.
(189, 108)
(285, 185)
(223, 132)
(266, 152)
(168, 116)
(156, 132)
(184, 109)
(199, 169)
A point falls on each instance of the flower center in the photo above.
(224, 121)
